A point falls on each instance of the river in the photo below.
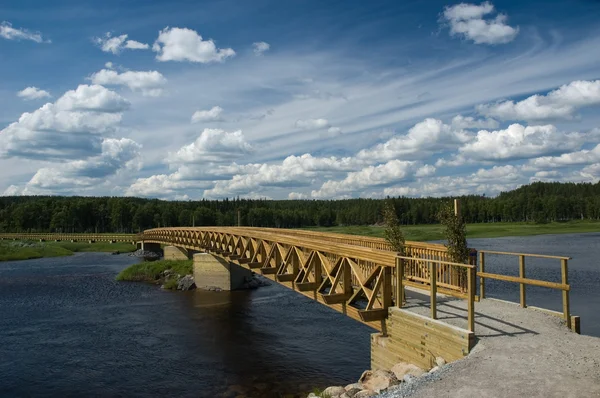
(67, 328)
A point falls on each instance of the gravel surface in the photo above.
(519, 353)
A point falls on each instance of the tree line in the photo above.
(538, 202)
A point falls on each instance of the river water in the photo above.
(67, 328)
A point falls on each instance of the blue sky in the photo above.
(297, 99)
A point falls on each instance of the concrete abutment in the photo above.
(214, 272)
(178, 253)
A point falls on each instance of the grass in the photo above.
(27, 250)
(484, 230)
(151, 271)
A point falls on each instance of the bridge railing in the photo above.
(74, 237)
(451, 281)
(523, 281)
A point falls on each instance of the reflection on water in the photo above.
(68, 329)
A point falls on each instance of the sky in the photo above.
(297, 99)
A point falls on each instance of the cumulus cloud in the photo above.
(467, 21)
(211, 115)
(424, 138)
(584, 156)
(260, 47)
(312, 124)
(213, 145)
(33, 93)
(182, 44)
(115, 44)
(8, 32)
(520, 142)
(561, 103)
(294, 171)
(393, 171)
(297, 196)
(334, 130)
(69, 128)
(149, 83)
(467, 122)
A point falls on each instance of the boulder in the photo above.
(378, 380)
(434, 369)
(353, 386)
(186, 283)
(403, 368)
(351, 392)
(312, 395)
(439, 361)
(334, 391)
(365, 394)
(408, 378)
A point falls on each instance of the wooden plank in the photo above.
(525, 254)
(433, 286)
(534, 282)
(565, 280)
(482, 270)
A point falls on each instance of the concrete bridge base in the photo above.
(214, 272)
(178, 253)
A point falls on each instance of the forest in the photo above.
(538, 202)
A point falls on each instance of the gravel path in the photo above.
(520, 353)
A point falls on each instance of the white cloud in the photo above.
(261, 47)
(10, 33)
(294, 171)
(163, 186)
(312, 124)
(69, 128)
(334, 130)
(115, 44)
(561, 103)
(393, 171)
(520, 142)
(109, 65)
(424, 138)
(467, 20)
(584, 156)
(33, 93)
(213, 145)
(149, 83)
(460, 122)
(182, 44)
(297, 196)
(211, 115)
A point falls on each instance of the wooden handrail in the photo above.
(525, 254)
(525, 281)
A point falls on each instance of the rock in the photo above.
(408, 378)
(378, 380)
(351, 392)
(186, 283)
(345, 395)
(403, 368)
(334, 392)
(439, 361)
(353, 385)
(365, 394)
(434, 369)
(116, 253)
(312, 395)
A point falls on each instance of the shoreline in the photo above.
(20, 250)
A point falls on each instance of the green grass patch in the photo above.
(152, 271)
(27, 250)
(430, 232)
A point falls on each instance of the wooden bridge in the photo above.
(360, 277)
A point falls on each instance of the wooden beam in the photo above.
(522, 276)
(533, 282)
(564, 270)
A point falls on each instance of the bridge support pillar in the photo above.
(151, 247)
(178, 253)
(214, 272)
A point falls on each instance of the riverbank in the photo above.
(28, 250)
(168, 273)
(431, 232)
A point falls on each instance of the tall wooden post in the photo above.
(522, 275)
(481, 280)
(399, 282)
(433, 285)
(471, 299)
(565, 280)
(457, 207)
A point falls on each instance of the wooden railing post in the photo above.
(471, 300)
(481, 279)
(433, 285)
(522, 275)
(399, 282)
(565, 280)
